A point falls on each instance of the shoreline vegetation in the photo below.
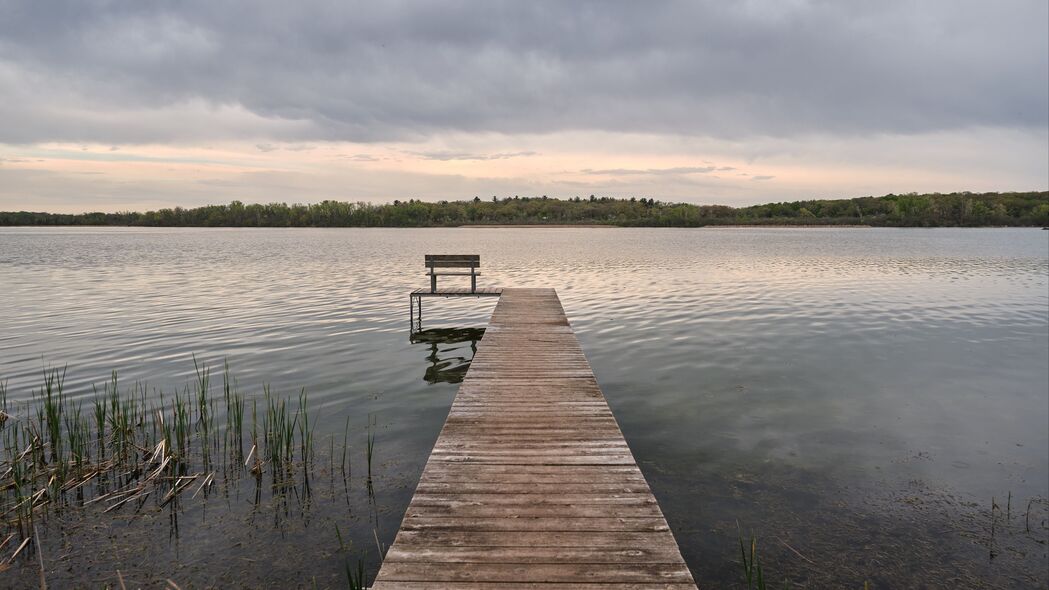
(129, 453)
(963, 209)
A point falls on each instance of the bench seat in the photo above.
(434, 262)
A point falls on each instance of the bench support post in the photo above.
(433, 281)
(473, 279)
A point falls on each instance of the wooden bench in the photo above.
(434, 262)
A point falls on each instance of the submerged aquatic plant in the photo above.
(753, 572)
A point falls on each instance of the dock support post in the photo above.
(415, 323)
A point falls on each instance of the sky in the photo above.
(135, 105)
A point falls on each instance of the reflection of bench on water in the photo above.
(445, 265)
(448, 362)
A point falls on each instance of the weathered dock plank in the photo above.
(531, 483)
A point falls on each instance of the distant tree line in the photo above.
(910, 210)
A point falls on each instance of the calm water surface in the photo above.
(854, 398)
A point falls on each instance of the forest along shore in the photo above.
(1026, 209)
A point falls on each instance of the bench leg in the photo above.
(473, 283)
(433, 283)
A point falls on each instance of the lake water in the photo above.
(854, 398)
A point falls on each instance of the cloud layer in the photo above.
(150, 71)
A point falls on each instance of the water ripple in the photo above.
(835, 352)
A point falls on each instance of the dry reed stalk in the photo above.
(19, 550)
(40, 558)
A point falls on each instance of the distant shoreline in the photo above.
(533, 225)
(606, 225)
(909, 210)
(525, 226)
(792, 225)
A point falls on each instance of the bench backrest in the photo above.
(453, 261)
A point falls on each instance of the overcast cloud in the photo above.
(271, 73)
(378, 71)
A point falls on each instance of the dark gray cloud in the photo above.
(141, 70)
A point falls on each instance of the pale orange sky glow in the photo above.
(139, 177)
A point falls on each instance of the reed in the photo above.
(305, 441)
(203, 380)
(53, 398)
(753, 573)
(338, 535)
(345, 446)
(100, 413)
(278, 434)
(371, 445)
(355, 577)
(204, 410)
(129, 448)
(3, 403)
(305, 433)
(234, 438)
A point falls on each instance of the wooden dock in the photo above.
(531, 483)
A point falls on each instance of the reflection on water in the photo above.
(451, 350)
(854, 397)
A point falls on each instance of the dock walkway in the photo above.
(531, 483)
